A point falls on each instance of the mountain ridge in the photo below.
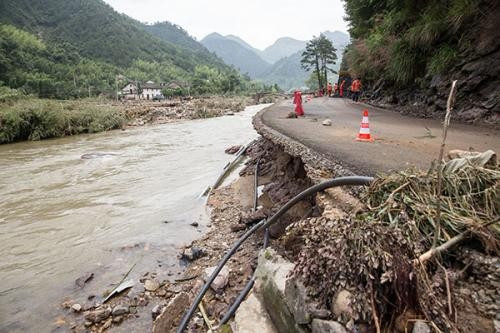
(283, 56)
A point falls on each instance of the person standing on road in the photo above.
(341, 92)
(297, 100)
(330, 88)
(356, 89)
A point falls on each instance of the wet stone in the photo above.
(120, 310)
(98, 315)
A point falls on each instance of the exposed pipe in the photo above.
(342, 181)
(232, 309)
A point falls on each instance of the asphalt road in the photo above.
(400, 141)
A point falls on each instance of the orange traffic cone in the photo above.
(364, 131)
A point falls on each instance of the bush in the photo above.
(442, 60)
(36, 119)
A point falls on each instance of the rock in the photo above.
(341, 304)
(151, 285)
(155, 312)
(117, 319)
(296, 299)
(120, 310)
(98, 315)
(220, 281)
(80, 282)
(271, 273)
(133, 309)
(421, 327)
(253, 217)
(291, 115)
(238, 227)
(171, 313)
(233, 149)
(326, 326)
(195, 224)
(161, 292)
(76, 307)
(107, 324)
(252, 317)
(192, 253)
(327, 122)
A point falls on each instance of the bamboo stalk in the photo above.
(446, 124)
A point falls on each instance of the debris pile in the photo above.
(394, 262)
(146, 112)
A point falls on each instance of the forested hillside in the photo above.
(407, 53)
(72, 48)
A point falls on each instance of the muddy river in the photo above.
(102, 204)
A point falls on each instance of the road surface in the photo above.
(400, 141)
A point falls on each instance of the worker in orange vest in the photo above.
(297, 100)
(342, 88)
(356, 89)
(335, 88)
(329, 89)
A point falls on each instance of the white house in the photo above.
(130, 91)
(151, 89)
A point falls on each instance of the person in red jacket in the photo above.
(329, 89)
(297, 100)
(341, 92)
(356, 90)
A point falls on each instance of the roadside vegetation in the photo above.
(29, 118)
(404, 41)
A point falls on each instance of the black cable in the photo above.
(342, 181)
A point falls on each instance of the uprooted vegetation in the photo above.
(372, 255)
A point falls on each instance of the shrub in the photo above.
(36, 119)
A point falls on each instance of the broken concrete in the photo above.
(252, 317)
(171, 313)
(271, 273)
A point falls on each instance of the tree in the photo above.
(328, 56)
(311, 58)
(319, 55)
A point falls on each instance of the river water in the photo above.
(102, 203)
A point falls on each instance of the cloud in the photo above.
(259, 22)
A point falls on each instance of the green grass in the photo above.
(37, 119)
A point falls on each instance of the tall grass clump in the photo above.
(37, 119)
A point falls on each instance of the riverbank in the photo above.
(329, 218)
(37, 119)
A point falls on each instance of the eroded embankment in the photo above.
(347, 268)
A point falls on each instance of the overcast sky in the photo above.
(259, 22)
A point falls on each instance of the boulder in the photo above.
(326, 326)
(327, 122)
(291, 115)
(220, 281)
